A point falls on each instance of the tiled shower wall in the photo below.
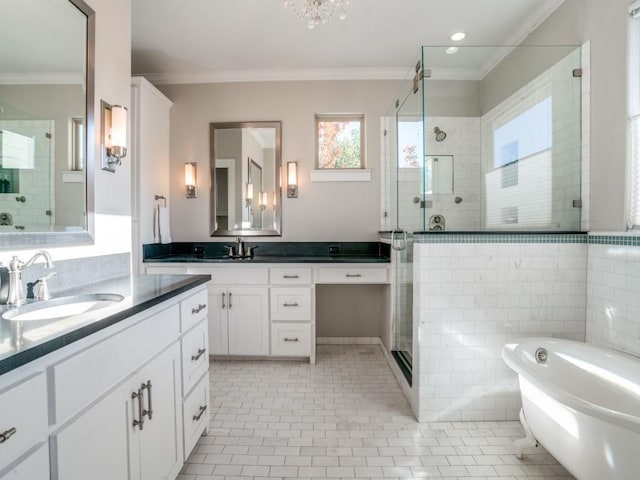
(34, 183)
(476, 292)
(613, 293)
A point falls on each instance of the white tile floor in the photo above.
(344, 417)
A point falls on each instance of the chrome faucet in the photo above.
(240, 247)
(16, 290)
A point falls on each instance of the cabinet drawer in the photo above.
(290, 276)
(195, 355)
(35, 466)
(193, 309)
(23, 416)
(291, 339)
(85, 376)
(291, 303)
(353, 275)
(196, 412)
(235, 275)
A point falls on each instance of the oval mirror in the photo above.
(245, 179)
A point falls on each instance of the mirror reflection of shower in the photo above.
(440, 134)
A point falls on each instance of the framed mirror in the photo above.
(246, 194)
(46, 123)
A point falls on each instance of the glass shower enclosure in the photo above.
(483, 139)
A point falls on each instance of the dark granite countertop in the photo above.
(270, 252)
(271, 259)
(23, 342)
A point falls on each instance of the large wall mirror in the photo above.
(245, 179)
(46, 123)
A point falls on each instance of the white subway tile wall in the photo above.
(34, 184)
(473, 298)
(613, 294)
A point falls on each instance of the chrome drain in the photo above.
(542, 355)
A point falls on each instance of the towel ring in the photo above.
(161, 197)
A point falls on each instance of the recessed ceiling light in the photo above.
(456, 37)
(452, 50)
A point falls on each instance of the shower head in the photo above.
(440, 134)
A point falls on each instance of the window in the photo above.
(634, 116)
(340, 141)
(524, 135)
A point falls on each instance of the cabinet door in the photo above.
(97, 444)
(248, 314)
(218, 305)
(161, 436)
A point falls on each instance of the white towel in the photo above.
(161, 230)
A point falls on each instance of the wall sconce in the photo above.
(263, 201)
(190, 183)
(292, 179)
(113, 135)
(275, 199)
(249, 194)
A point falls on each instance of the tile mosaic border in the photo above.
(492, 237)
(626, 240)
(528, 237)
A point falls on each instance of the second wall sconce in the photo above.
(190, 179)
(113, 137)
(292, 179)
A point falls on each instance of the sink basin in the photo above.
(62, 307)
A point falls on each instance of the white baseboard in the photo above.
(348, 341)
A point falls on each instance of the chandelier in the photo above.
(316, 12)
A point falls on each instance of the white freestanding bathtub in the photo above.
(582, 403)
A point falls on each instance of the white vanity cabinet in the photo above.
(238, 320)
(115, 403)
(130, 432)
(23, 426)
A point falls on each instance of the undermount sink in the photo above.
(62, 307)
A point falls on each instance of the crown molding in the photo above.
(519, 35)
(278, 75)
(49, 78)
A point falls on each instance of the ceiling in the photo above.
(245, 40)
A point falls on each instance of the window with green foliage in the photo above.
(340, 141)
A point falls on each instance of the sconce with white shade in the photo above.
(249, 194)
(190, 179)
(264, 199)
(292, 179)
(113, 136)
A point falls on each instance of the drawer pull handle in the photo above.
(7, 434)
(149, 413)
(223, 297)
(199, 308)
(296, 339)
(353, 275)
(201, 411)
(138, 423)
(295, 304)
(195, 358)
(290, 276)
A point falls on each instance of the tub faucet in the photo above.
(16, 291)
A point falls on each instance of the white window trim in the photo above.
(341, 175)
